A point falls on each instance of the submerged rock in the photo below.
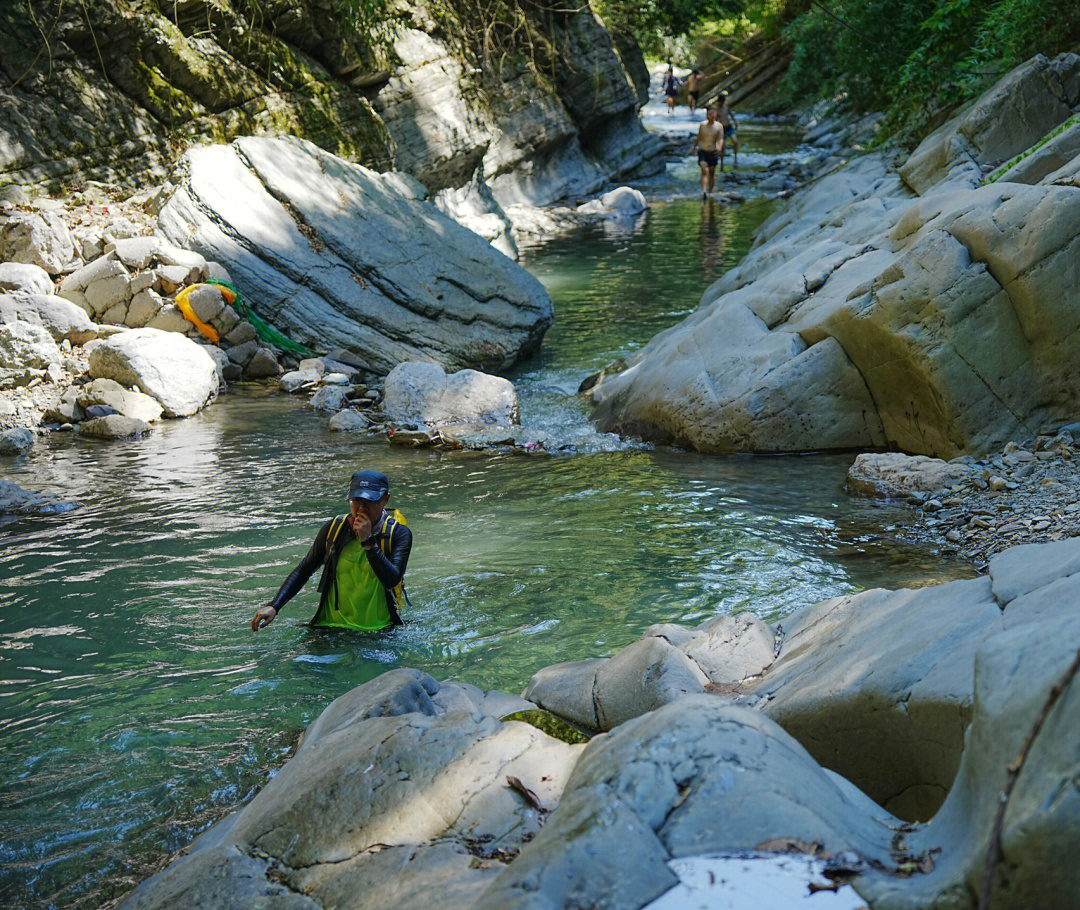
(891, 474)
(338, 256)
(14, 500)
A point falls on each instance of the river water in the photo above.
(136, 706)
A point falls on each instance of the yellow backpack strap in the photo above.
(336, 525)
(387, 540)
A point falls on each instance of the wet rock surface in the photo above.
(430, 789)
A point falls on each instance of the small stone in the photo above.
(329, 398)
(114, 426)
(997, 483)
(242, 334)
(297, 380)
(932, 505)
(371, 395)
(242, 353)
(348, 421)
(953, 536)
(336, 379)
(16, 441)
(263, 365)
(313, 364)
(977, 522)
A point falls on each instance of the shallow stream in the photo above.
(136, 706)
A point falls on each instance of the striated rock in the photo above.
(1022, 107)
(1057, 153)
(422, 394)
(22, 276)
(892, 475)
(339, 274)
(24, 344)
(61, 318)
(167, 366)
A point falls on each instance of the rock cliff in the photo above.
(101, 91)
(868, 316)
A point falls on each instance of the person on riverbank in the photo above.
(670, 88)
(709, 145)
(363, 557)
(726, 116)
(693, 90)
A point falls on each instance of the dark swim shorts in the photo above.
(693, 96)
(709, 159)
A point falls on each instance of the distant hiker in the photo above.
(363, 557)
(709, 145)
(693, 87)
(726, 116)
(671, 88)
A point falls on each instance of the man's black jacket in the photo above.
(389, 567)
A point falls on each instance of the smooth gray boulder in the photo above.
(16, 441)
(113, 426)
(423, 394)
(62, 318)
(336, 255)
(135, 405)
(22, 276)
(349, 421)
(872, 695)
(387, 794)
(330, 398)
(165, 365)
(701, 776)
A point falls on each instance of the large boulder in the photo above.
(422, 394)
(1020, 109)
(401, 789)
(336, 255)
(21, 276)
(40, 239)
(165, 365)
(60, 317)
(940, 325)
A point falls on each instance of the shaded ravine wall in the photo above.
(118, 91)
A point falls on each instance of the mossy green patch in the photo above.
(551, 724)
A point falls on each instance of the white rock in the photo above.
(62, 318)
(25, 345)
(296, 380)
(175, 370)
(39, 239)
(422, 394)
(22, 276)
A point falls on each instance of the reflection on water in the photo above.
(136, 706)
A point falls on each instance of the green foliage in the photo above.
(370, 19)
(915, 58)
(655, 22)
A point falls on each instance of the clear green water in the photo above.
(136, 706)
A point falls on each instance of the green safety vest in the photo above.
(357, 600)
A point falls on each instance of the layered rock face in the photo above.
(338, 256)
(867, 316)
(120, 91)
(728, 739)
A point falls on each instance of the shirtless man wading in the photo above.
(708, 144)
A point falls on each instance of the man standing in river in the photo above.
(693, 88)
(708, 143)
(726, 116)
(363, 557)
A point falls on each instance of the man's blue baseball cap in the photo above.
(369, 485)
